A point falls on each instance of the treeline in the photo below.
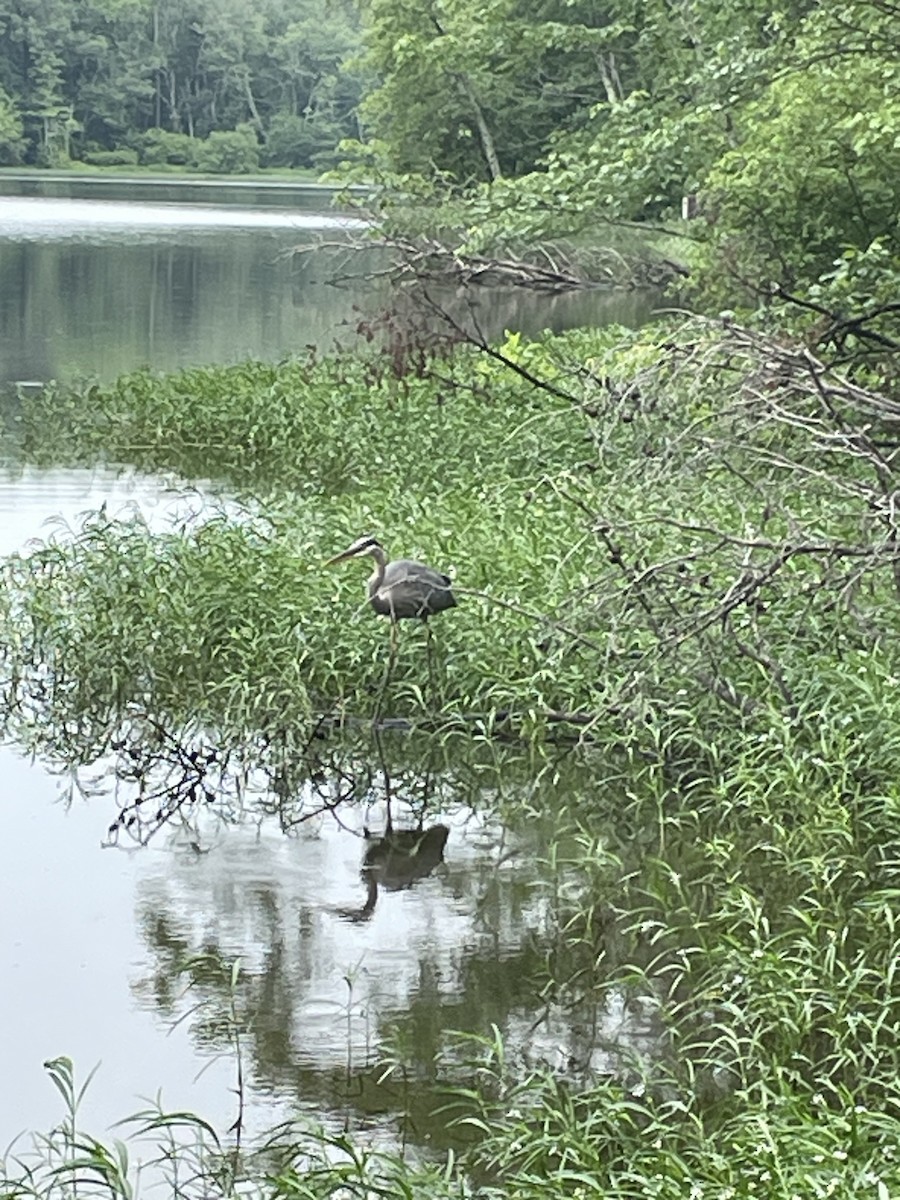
(216, 84)
(778, 127)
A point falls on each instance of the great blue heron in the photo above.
(402, 588)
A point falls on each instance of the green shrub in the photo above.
(818, 171)
(12, 141)
(158, 146)
(123, 157)
(295, 141)
(228, 153)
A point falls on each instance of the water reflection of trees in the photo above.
(448, 854)
(463, 944)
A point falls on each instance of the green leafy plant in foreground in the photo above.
(179, 1153)
(118, 615)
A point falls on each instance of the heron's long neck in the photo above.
(376, 579)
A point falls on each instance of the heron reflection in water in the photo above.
(395, 861)
(400, 589)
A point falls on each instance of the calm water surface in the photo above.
(94, 281)
(92, 287)
(101, 277)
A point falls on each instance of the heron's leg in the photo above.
(432, 681)
(386, 776)
(388, 670)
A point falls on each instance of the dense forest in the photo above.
(217, 84)
(777, 127)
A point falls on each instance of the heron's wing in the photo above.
(412, 589)
(402, 570)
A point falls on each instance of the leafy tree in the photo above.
(817, 169)
(102, 72)
(784, 122)
(474, 89)
(32, 34)
(295, 141)
(107, 79)
(161, 146)
(12, 142)
(228, 153)
(564, 85)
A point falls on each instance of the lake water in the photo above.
(99, 278)
(93, 938)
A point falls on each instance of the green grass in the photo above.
(624, 552)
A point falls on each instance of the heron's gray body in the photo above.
(406, 588)
(403, 588)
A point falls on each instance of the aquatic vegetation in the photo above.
(162, 1152)
(645, 535)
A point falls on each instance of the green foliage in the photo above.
(783, 125)
(341, 468)
(236, 665)
(683, 551)
(750, 917)
(816, 172)
(296, 141)
(609, 1142)
(472, 90)
(224, 152)
(754, 912)
(123, 157)
(620, 112)
(100, 73)
(851, 312)
(157, 146)
(181, 1152)
(228, 153)
(12, 142)
(606, 553)
(685, 543)
(538, 122)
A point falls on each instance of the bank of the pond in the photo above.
(167, 172)
(666, 534)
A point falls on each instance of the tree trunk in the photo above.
(174, 115)
(484, 133)
(611, 82)
(158, 72)
(254, 111)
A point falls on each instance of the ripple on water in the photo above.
(40, 218)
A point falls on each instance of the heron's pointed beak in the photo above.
(342, 557)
